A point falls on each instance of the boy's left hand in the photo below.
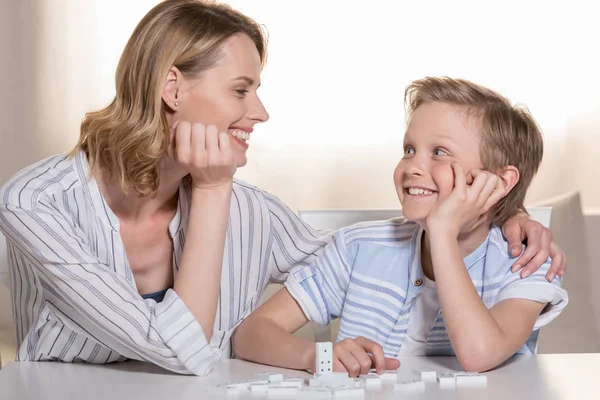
(540, 245)
(467, 205)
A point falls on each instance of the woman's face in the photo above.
(225, 95)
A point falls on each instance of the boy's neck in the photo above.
(468, 242)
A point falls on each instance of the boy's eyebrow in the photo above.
(443, 136)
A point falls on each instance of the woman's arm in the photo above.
(199, 276)
(207, 155)
(88, 297)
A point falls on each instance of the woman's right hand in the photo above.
(205, 153)
(358, 356)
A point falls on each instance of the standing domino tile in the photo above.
(410, 385)
(447, 381)
(324, 358)
(428, 375)
(467, 379)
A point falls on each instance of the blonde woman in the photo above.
(140, 244)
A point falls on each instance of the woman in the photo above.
(140, 244)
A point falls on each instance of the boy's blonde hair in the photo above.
(129, 138)
(508, 134)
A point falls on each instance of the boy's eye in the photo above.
(440, 152)
(408, 150)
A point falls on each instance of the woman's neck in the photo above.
(130, 206)
(468, 242)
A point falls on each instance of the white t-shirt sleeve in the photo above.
(536, 288)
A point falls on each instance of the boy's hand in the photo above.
(467, 205)
(205, 153)
(358, 356)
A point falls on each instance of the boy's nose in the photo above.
(415, 168)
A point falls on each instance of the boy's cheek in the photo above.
(443, 177)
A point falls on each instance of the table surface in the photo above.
(547, 377)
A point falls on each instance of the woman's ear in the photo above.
(171, 87)
(510, 177)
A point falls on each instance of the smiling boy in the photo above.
(437, 281)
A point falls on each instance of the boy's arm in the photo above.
(266, 335)
(481, 338)
(316, 293)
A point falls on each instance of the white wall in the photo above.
(333, 84)
(334, 87)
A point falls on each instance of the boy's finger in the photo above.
(376, 352)
(498, 192)
(392, 364)
(350, 363)
(459, 176)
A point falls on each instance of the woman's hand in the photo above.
(205, 153)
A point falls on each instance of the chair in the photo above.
(336, 219)
(577, 329)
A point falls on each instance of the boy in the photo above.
(439, 280)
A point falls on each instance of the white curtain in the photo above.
(333, 84)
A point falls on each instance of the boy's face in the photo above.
(437, 135)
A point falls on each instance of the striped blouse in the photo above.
(370, 275)
(74, 293)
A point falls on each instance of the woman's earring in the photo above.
(176, 103)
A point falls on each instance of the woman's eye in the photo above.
(409, 150)
(440, 152)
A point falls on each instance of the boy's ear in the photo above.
(510, 177)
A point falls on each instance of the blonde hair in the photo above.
(508, 134)
(129, 137)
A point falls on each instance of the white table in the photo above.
(547, 377)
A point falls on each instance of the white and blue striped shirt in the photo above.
(370, 275)
(74, 294)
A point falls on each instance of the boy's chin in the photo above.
(419, 218)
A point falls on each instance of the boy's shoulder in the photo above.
(493, 257)
(389, 233)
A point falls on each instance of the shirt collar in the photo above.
(105, 213)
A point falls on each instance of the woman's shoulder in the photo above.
(38, 181)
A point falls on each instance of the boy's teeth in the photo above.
(418, 191)
(240, 134)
